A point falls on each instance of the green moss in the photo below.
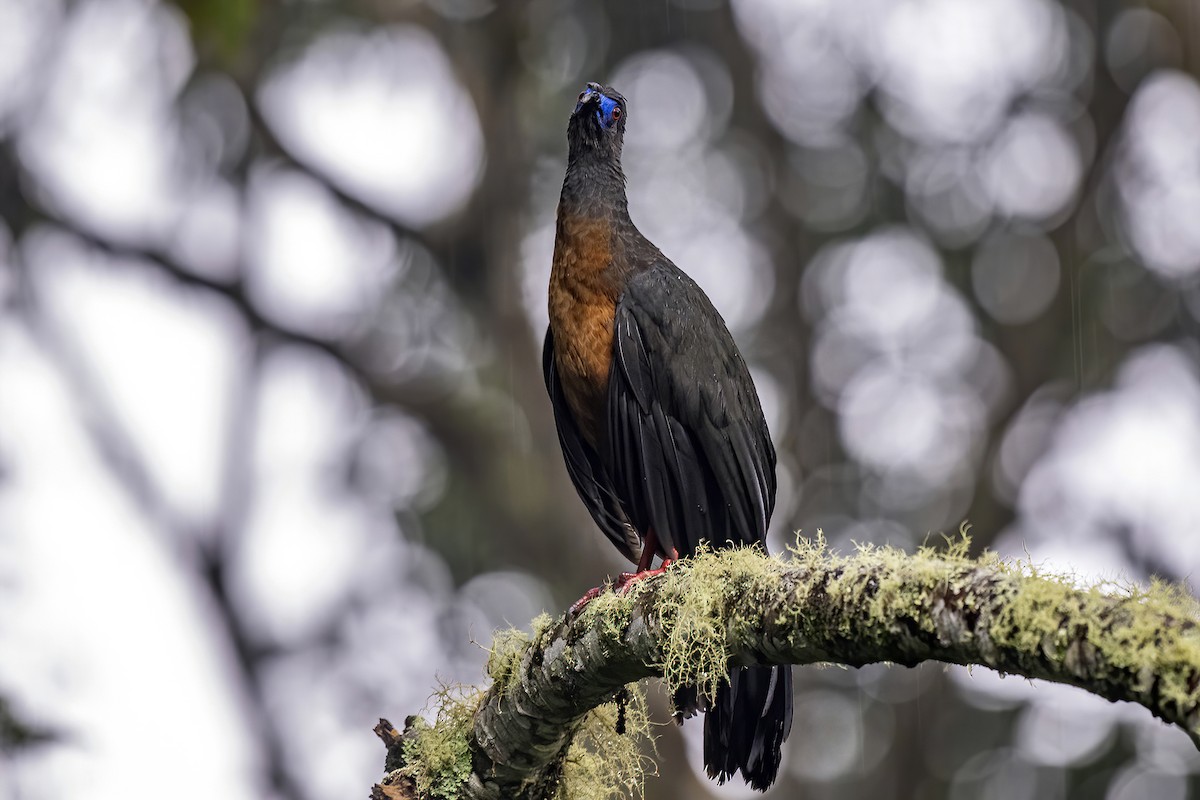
(601, 762)
(438, 756)
(1103, 631)
(504, 659)
(696, 605)
(508, 650)
(609, 613)
(1050, 622)
(1031, 621)
(604, 761)
(956, 547)
(1039, 622)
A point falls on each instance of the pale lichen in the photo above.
(509, 647)
(438, 756)
(698, 602)
(609, 613)
(608, 755)
(736, 606)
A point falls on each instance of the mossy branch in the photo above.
(521, 737)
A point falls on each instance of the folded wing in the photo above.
(686, 438)
(587, 472)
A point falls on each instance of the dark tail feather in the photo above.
(747, 725)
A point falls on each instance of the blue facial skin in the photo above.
(604, 113)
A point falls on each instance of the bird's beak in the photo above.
(589, 96)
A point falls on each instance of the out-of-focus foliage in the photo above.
(221, 28)
(276, 453)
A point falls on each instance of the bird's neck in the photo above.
(594, 187)
(586, 279)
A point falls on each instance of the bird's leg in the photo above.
(588, 596)
(649, 550)
(626, 579)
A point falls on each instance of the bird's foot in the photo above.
(627, 579)
(620, 586)
(588, 596)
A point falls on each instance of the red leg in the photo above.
(649, 548)
(627, 579)
(588, 596)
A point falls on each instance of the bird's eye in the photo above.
(582, 95)
(616, 113)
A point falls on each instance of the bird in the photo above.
(660, 424)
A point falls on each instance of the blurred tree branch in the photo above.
(739, 608)
(16, 733)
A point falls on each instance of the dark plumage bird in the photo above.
(660, 424)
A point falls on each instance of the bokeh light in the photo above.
(351, 105)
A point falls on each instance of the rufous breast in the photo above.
(583, 299)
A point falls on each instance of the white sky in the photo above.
(104, 633)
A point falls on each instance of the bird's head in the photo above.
(598, 122)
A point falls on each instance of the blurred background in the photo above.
(275, 452)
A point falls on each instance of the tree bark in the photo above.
(739, 607)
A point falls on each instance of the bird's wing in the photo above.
(585, 468)
(687, 442)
